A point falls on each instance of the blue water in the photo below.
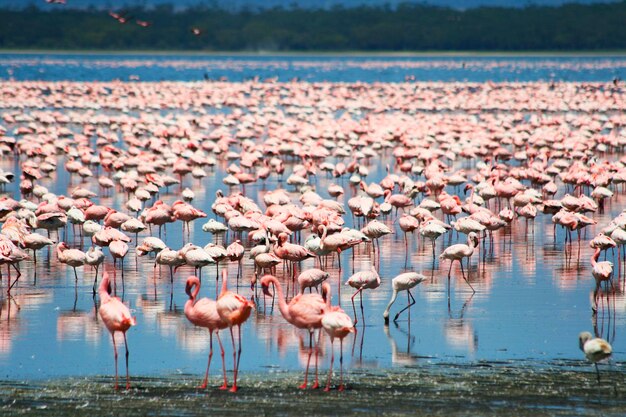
(173, 67)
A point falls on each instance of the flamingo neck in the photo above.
(224, 283)
(282, 304)
(103, 291)
(324, 233)
(595, 257)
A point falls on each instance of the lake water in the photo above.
(532, 290)
(173, 67)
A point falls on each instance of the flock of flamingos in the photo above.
(468, 159)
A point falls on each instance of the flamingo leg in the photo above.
(219, 340)
(411, 302)
(232, 339)
(362, 312)
(332, 359)
(316, 385)
(341, 386)
(206, 374)
(353, 307)
(95, 282)
(115, 356)
(127, 353)
(308, 362)
(463, 272)
(19, 274)
(236, 355)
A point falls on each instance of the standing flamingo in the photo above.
(118, 250)
(403, 282)
(595, 349)
(94, 257)
(116, 317)
(234, 309)
(71, 257)
(235, 252)
(337, 324)
(363, 280)
(203, 313)
(458, 252)
(304, 311)
(602, 272)
(336, 242)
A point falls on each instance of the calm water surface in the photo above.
(376, 68)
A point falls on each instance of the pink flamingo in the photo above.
(337, 324)
(116, 317)
(399, 201)
(234, 310)
(235, 252)
(203, 313)
(363, 280)
(602, 272)
(336, 242)
(403, 282)
(458, 252)
(71, 257)
(304, 311)
(186, 213)
(118, 250)
(291, 252)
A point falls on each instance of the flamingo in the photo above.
(197, 257)
(94, 257)
(458, 252)
(234, 310)
(203, 313)
(595, 349)
(408, 224)
(363, 280)
(304, 311)
(118, 249)
(116, 317)
(336, 242)
(235, 252)
(337, 324)
(601, 271)
(312, 278)
(170, 258)
(375, 230)
(403, 282)
(291, 252)
(432, 230)
(71, 257)
(35, 241)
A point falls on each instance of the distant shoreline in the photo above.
(364, 54)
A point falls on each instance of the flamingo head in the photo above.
(191, 283)
(467, 188)
(474, 238)
(265, 285)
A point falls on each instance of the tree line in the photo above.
(408, 27)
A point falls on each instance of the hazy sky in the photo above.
(460, 4)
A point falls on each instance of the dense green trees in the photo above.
(408, 27)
